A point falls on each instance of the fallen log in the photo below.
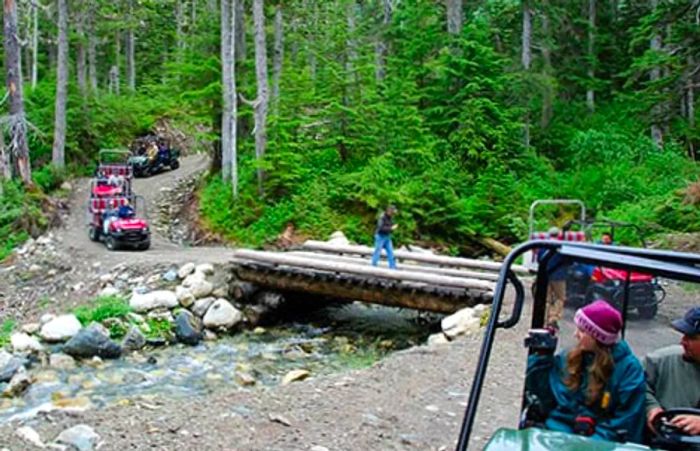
(414, 256)
(290, 260)
(243, 291)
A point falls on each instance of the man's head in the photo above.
(689, 326)
(553, 233)
(391, 210)
(606, 238)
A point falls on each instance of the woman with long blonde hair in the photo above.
(597, 387)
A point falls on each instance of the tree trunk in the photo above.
(381, 47)
(227, 64)
(59, 133)
(261, 102)
(5, 163)
(179, 25)
(656, 131)
(17, 124)
(278, 56)
(114, 72)
(311, 37)
(690, 108)
(526, 60)
(234, 98)
(590, 92)
(548, 94)
(92, 47)
(351, 43)
(35, 45)
(81, 65)
(130, 46)
(240, 35)
(454, 16)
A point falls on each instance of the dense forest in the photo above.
(320, 112)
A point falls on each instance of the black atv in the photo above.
(143, 166)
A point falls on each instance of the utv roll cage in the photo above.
(673, 265)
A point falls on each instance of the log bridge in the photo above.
(423, 280)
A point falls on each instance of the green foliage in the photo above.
(102, 308)
(6, 329)
(158, 328)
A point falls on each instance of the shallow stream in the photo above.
(329, 340)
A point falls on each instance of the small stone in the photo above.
(46, 317)
(78, 286)
(52, 272)
(205, 268)
(277, 418)
(60, 328)
(222, 314)
(93, 341)
(463, 322)
(30, 436)
(22, 342)
(185, 270)
(318, 448)
(170, 276)
(184, 296)
(161, 315)
(18, 384)
(193, 278)
(295, 375)
(245, 379)
(134, 340)
(201, 306)
(61, 361)
(155, 299)
(82, 437)
(201, 288)
(107, 278)
(34, 268)
(154, 279)
(210, 335)
(31, 328)
(188, 328)
(259, 330)
(432, 408)
(108, 291)
(437, 339)
(135, 318)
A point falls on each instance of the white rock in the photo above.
(205, 268)
(66, 186)
(52, 272)
(437, 339)
(161, 315)
(339, 237)
(295, 375)
(318, 448)
(34, 268)
(81, 437)
(43, 240)
(107, 278)
(109, 290)
(154, 279)
(201, 306)
(135, 317)
(61, 361)
(78, 286)
(184, 296)
(154, 299)
(31, 328)
(22, 342)
(463, 322)
(46, 317)
(479, 309)
(18, 384)
(201, 289)
(193, 278)
(222, 314)
(185, 270)
(60, 328)
(31, 436)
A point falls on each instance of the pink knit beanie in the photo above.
(601, 321)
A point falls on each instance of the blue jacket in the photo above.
(556, 268)
(626, 388)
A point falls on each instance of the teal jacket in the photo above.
(622, 419)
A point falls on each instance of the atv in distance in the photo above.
(153, 155)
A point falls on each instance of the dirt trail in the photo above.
(74, 238)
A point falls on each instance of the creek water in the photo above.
(329, 340)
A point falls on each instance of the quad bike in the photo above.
(123, 231)
(145, 166)
(529, 435)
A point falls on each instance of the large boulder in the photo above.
(201, 288)
(134, 340)
(22, 342)
(9, 365)
(60, 328)
(201, 306)
(463, 322)
(93, 341)
(188, 328)
(222, 314)
(153, 300)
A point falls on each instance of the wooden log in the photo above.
(243, 291)
(284, 259)
(409, 267)
(371, 294)
(495, 245)
(414, 256)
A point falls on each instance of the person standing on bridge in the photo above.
(382, 237)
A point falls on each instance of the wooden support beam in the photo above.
(414, 256)
(372, 294)
(290, 260)
(486, 275)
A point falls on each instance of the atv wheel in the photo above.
(144, 246)
(648, 312)
(94, 233)
(174, 164)
(111, 243)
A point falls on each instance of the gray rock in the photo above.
(18, 384)
(184, 296)
(193, 278)
(31, 328)
(188, 328)
(109, 290)
(222, 314)
(30, 436)
(170, 276)
(82, 437)
(185, 270)
(92, 341)
(155, 299)
(205, 268)
(220, 291)
(161, 315)
(201, 288)
(134, 340)
(9, 365)
(60, 328)
(202, 305)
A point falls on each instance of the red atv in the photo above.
(112, 214)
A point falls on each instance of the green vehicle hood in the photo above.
(138, 160)
(533, 439)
